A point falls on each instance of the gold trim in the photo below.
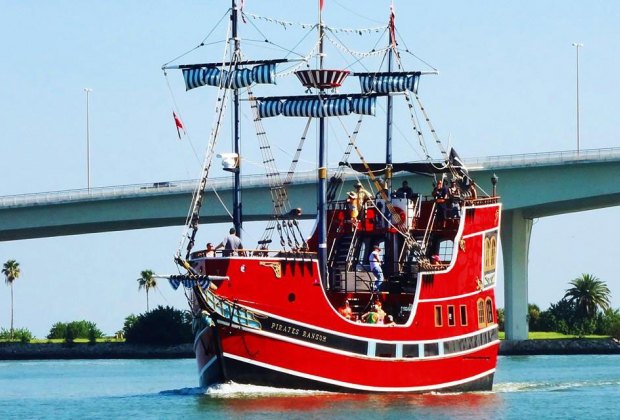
(462, 245)
(276, 266)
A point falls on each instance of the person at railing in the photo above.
(352, 207)
(231, 244)
(362, 197)
(473, 193)
(405, 191)
(210, 251)
(375, 267)
(454, 193)
(440, 194)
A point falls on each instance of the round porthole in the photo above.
(242, 268)
(291, 297)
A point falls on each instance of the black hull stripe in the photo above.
(372, 348)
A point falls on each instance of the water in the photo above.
(525, 387)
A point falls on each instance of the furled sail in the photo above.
(317, 107)
(389, 82)
(235, 79)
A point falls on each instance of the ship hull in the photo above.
(349, 364)
(272, 323)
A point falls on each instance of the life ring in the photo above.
(401, 214)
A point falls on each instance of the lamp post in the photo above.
(577, 45)
(87, 90)
(494, 179)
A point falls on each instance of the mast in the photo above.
(235, 56)
(390, 106)
(322, 173)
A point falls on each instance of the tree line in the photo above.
(584, 309)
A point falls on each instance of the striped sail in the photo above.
(236, 79)
(389, 83)
(317, 107)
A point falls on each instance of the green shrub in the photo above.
(23, 335)
(160, 326)
(75, 329)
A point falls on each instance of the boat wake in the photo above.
(234, 390)
(509, 387)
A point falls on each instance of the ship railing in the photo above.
(258, 253)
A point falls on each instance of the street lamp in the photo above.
(88, 91)
(577, 45)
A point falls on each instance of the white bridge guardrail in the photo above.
(187, 186)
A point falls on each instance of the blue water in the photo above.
(525, 387)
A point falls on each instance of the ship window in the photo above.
(431, 349)
(489, 306)
(451, 320)
(411, 350)
(385, 350)
(481, 317)
(463, 309)
(445, 250)
(438, 319)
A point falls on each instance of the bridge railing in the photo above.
(155, 188)
(185, 186)
(546, 158)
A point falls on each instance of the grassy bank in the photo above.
(545, 335)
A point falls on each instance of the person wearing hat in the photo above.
(352, 207)
(375, 267)
(362, 194)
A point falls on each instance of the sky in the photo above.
(506, 85)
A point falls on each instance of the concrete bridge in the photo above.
(531, 186)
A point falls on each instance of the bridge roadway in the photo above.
(531, 186)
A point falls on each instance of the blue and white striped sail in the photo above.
(389, 83)
(188, 283)
(236, 79)
(317, 107)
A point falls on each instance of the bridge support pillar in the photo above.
(516, 231)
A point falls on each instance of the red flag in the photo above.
(178, 123)
(321, 4)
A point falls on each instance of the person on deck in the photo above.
(389, 321)
(352, 207)
(375, 267)
(210, 252)
(362, 197)
(371, 317)
(345, 310)
(440, 194)
(455, 200)
(404, 191)
(231, 244)
(380, 312)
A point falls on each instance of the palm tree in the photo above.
(147, 281)
(588, 294)
(11, 273)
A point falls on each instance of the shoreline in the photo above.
(61, 351)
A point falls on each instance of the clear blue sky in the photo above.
(506, 86)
